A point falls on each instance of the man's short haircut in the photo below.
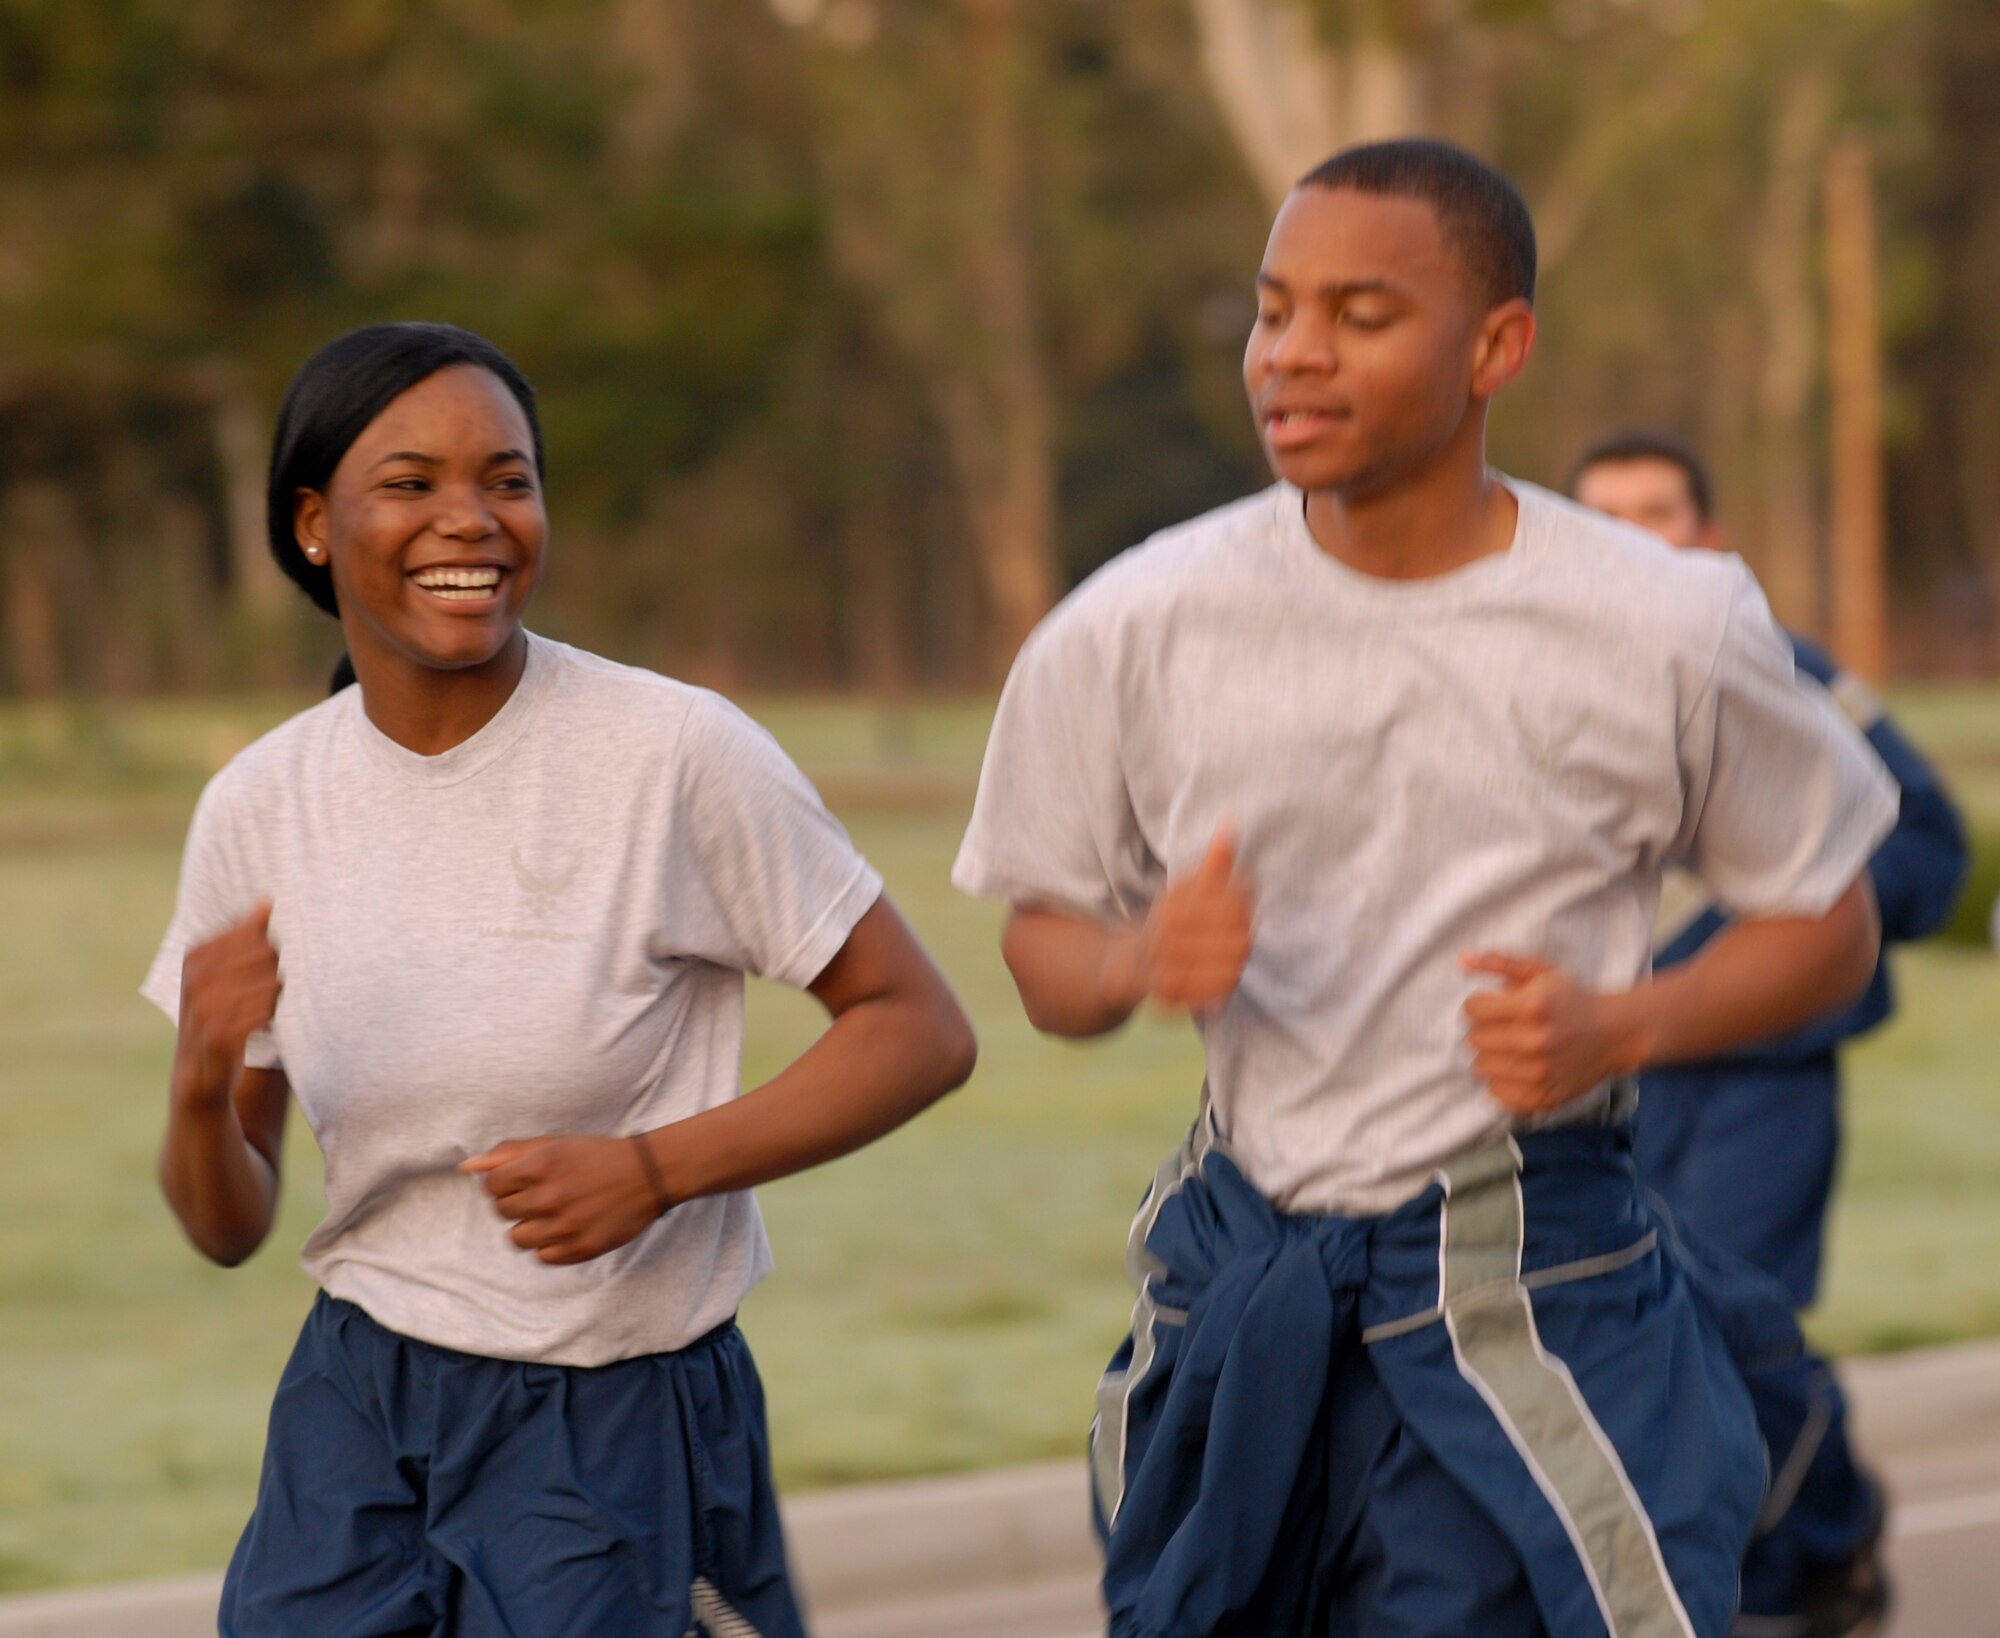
(1482, 213)
(1645, 444)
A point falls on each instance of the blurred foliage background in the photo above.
(864, 327)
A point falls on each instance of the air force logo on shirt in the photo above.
(1549, 746)
(1541, 762)
(543, 891)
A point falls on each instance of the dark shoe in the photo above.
(1849, 1599)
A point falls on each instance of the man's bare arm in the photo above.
(1080, 977)
(1542, 1039)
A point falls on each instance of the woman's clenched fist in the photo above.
(229, 991)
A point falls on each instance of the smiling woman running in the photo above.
(487, 916)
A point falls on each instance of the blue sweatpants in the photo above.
(1744, 1157)
(410, 1491)
(1514, 1407)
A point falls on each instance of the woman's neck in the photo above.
(427, 710)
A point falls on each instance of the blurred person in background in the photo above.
(1744, 1147)
(487, 914)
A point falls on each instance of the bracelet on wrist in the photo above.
(650, 1165)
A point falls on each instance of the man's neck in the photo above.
(1437, 520)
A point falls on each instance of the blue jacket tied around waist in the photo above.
(1577, 1372)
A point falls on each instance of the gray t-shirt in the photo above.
(1503, 757)
(542, 930)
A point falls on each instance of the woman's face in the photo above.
(433, 524)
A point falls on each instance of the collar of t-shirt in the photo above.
(469, 756)
(1432, 594)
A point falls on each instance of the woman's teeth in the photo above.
(459, 585)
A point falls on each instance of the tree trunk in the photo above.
(189, 658)
(1727, 413)
(1787, 555)
(123, 588)
(29, 596)
(930, 217)
(1854, 376)
(653, 41)
(875, 593)
(1290, 98)
(242, 451)
(998, 418)
(1947, 485)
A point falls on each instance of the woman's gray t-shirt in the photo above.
(542, 930)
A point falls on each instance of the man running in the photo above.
(1376, 773)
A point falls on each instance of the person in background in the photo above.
(1744, 1147)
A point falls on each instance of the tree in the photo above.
(864, 327)
(922, 134)
(209, 196)
(1944, 476)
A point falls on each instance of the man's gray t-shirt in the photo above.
(1504, 758)
(543, 930)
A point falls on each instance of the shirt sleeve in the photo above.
(1785, 801)
(1054, 821)
(214, 892)
(760, 876)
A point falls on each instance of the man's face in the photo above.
(1371, 345)
(1651, 492)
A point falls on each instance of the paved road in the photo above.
(1945, 1556)
(1933, 1423)
(1930, 1422)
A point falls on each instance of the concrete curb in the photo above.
(1925, 1399)
(181, 1608)
(872, 1543)
(852, 1548)
(928, 1540)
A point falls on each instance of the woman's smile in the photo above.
(473, 587)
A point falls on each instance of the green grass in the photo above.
(1959, 727)
(1918, 1216)
(943, 1300)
